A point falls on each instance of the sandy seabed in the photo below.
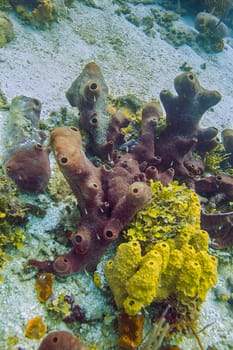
(42, 64)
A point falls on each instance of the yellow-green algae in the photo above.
(171, 208)
(6, 29)
(59, 307)
(40, 12)
(216, 161)
(13, 214)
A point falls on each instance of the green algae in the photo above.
(13, 217)
(39, 13)
(3, 101)
(91, 3)
(6, 29)
(171, 209)
(216, 161)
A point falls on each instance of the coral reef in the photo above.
(5, 5)
(44, 12)
(205, 22)
(211, 32)
(110, 195)
(171, 30)
(39, 12)
(219, 8)
(25, 160)
(6, 29)
(61, 340)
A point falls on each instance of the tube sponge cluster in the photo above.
(179, 267)
(172, 207)
(166, 255)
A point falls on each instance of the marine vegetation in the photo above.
(13, 216)
(172, 208)
(171, 30)
(64, 307)
(6, 29)
(37, 12)
(219, 8)
(3, 101)
(211, 32)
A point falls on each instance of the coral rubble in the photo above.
(25, 160)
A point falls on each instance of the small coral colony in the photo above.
(158, 186)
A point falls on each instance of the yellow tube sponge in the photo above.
(184, 273)
(184, 235)
(208, 276)
(119, 270)
(164, 250)
(130, 253)
(200, 240)
(142, 286)
(169, 277)
(189, 279)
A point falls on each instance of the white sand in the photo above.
(43, 64)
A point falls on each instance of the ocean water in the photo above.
(140, 48)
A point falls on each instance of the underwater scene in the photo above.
(116, 175)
